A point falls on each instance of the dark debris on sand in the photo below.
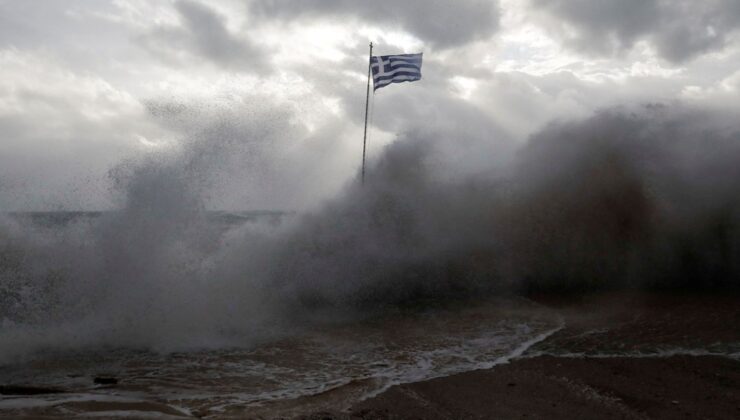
(27, 390)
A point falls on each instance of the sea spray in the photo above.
(641, 197)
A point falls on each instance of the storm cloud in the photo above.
(202, 33)
(438, 22)
(678, 30)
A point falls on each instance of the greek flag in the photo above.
(389, 69)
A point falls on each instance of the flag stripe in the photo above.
(412, 62)
(405, 57)
(396, 80)
(400, 77)
(394, 66)
(397, 75)
(393, 70)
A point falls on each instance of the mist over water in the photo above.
(642, 197)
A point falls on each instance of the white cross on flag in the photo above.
(399, 68)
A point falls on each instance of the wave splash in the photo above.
(627, 198)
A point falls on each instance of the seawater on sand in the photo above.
(333, 367)
(621, 355)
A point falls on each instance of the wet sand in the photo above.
(617, 355)
(555, 388)
(620, 356)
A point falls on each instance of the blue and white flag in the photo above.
(389, 69)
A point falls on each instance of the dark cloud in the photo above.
(438, 22)
(203, 33)
(679, 30)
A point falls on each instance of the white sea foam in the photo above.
(355, 362)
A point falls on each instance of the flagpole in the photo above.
(367, 102)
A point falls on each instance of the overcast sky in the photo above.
(272, 92)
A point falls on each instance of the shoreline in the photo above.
(608, 355)
(547, 387)
(619, 355)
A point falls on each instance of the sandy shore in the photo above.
(626, 356)
(617, 355)
(555, 388)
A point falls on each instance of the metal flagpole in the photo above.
(367, 101)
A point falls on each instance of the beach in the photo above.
(620, 356)
(572, 388)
